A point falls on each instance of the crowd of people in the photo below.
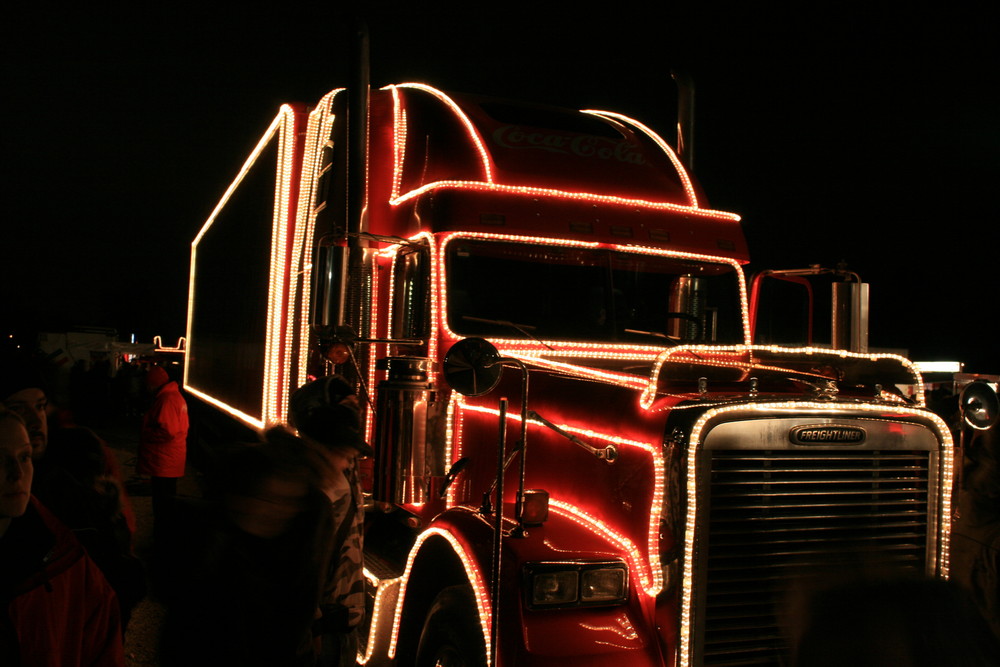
(61, 607)
(264, 568)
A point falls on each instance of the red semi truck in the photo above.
(581, 456)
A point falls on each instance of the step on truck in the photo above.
(581, 457)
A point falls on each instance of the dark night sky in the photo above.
(851, 133)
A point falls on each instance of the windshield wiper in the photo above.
(520, 328)
(655, 334)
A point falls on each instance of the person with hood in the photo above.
(325, 413)
(57, 608)
(163, 439)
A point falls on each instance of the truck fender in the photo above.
(438, 560)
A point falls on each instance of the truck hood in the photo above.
(745, 371)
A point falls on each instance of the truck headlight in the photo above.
(555, 588)
(604, 584)
(550, 585)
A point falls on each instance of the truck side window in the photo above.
(411, 296)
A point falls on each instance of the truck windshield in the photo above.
(505, 289)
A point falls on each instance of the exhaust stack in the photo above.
(685, 117)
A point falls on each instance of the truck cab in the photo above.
(581, 457)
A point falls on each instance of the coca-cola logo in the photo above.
(579, 145)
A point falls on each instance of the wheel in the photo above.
(452, 635)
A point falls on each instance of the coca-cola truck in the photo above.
(581, 458)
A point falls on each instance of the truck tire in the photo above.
(452, 635)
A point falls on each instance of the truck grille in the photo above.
(777, 514)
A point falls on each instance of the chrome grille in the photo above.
(776, 514)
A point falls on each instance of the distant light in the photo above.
(938, 366)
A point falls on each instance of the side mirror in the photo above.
(980, 405)
(472, 367)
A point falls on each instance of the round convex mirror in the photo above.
(980, 405)
(472, 367)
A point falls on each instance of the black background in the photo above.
(842, 132)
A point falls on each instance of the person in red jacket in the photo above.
(56, 608)
(163, 440)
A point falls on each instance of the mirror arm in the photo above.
(609, 453)
(522, 447)
(361, 380)
(502, 466)
(498, 522)
(453, 472)
(394, 341)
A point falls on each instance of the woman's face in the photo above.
(15, 469)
